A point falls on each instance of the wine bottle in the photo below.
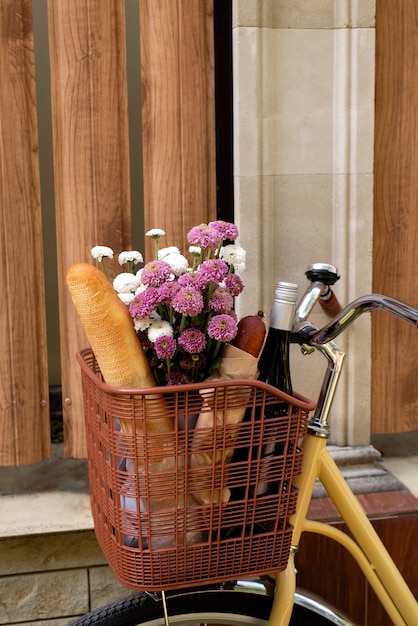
(274, 363)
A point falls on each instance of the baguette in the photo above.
(122, 361)
(111, 334)
(239, 360)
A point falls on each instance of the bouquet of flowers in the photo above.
(183, 312)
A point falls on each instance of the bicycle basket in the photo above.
(179, 507)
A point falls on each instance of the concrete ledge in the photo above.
(362, 468)
(41, 513)
(53, 496)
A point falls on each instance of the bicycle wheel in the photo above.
(207, 607)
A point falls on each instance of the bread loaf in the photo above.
(110, 331)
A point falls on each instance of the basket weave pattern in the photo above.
(144, 491)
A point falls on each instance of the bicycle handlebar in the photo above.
(306, 333)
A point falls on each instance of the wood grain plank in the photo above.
(177, 63)
(24, 414)
(395, 271)
(327, 569)
(91, 161)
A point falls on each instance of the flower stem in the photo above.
(216, 350)
(105, 270)
(183, 323)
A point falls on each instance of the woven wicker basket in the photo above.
(145, 489)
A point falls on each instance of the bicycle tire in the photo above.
(235, 608)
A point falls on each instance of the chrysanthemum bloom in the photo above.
(177, 262)
(186, 362)
(126, 282)
(188, 301)
(98, 252)
(166, 251)
(199, 360)
(193, 279)
(159, 328)
(155, 273)
(167, 291)
(221, 301)
(146, 343)
(142, 323)
(130, 256)
(234, 283)
(176, 377)
(195, 250)
(165, 347)
(192, 340)
(143, 303)
(204, 236)
(155, 233)
(222, 328)
(214, 270)
(126, 297)
(234, 255)
(226, 230)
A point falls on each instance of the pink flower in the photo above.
(214, 269)
(193, 279)
(234, 283)
(221, 301)
(204, 236)
(222, 328)
(167, 291)
(155, 273)
(143, 303)
(192, 340)
(188, 301)
(165, 347)
(226, 230)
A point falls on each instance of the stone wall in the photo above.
(303, 159)
(51, 578)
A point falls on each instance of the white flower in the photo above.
(178, 263)
(126, 297)
(130, 256)
(234, 255)
(98, 252)
(159, 328)
(166, 251)
(142, 324)
(155, 233)
(141, 288)
(125, 282)
(195, 250)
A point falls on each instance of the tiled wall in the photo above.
(49, 579)
(304, 125)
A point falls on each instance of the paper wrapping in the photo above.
(235, 364)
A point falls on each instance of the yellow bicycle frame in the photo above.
(365, 547)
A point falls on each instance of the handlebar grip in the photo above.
(330, 304)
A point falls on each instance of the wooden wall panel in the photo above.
(90, 130)
(177, 59)
(395, 268)
(24, 414)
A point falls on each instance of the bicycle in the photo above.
(257, 597)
